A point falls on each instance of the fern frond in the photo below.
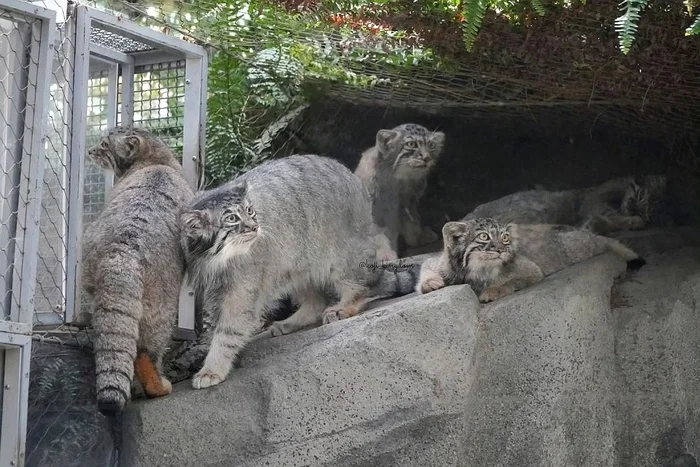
(538, 7)
(694, 28)
(263, 143)
(474, 13)
(627, 24)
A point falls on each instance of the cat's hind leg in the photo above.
(353, 298)
(312, 304)
(157, 327)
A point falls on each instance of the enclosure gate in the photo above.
(109, 71)
(133, 62)
(26, 43)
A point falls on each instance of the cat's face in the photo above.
(220, 234)
(115, 152)
(479, 244)
(642, 199)
(411, 148)
(120, 148)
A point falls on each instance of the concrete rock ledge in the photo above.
(580, 370)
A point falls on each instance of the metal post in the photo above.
(127, 93)
(191, 152)
(29, 212)
(76, 159)
(204, 65)
(112, 89)
(17, 358)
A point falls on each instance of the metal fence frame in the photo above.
(15, 333)
(123, 64)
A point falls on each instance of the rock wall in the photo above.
(583, 369)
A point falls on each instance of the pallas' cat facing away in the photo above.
(395, 172)
(294, 227)
(499, 259)
(133, 264)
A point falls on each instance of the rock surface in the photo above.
(582, 369)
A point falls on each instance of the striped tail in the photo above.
(398, 279)
(634, 261)
(118, 310)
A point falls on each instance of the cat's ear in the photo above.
(134, 142)
(240, 189)
(386, 138)
(438, 139)
(453, 231)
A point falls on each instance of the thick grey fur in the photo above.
(499, 259)
(626, 203)
(307, 230)
(395, 172)
(132, 263)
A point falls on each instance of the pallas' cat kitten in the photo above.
(499, 259)
(133, 264)
(395, 172)
(299, 227)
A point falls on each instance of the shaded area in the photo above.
(64, 427)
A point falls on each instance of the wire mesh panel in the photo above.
(50, 296)
(21, 149)
(26, 35)
(159, 101)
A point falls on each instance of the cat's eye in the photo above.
(103, 144)
(231, 218)
(250, 210)
(411, 144)
(505, 238)
(483, 236)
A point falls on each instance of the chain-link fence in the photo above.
(26, 39)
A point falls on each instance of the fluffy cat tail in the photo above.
(398, 279)
(634, 261)
(116, 317)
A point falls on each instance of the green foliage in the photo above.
(269, 57)
(627, 24)
(538, 7)
(265, 58)
(474, 12)
(694, 28)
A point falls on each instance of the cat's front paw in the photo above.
(206, 378)
(278, 329)
(431, 284)
(335, 313)
(492, 293)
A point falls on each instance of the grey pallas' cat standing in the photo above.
(499, 259)
(395, 172)
(626, 203)
(297, 226)
(132, 264)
